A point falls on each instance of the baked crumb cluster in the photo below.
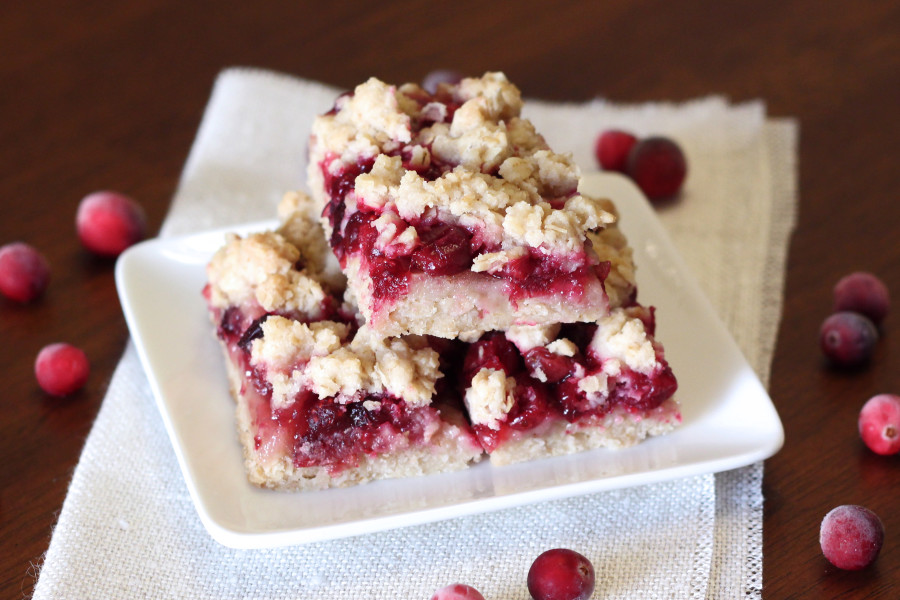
(445, 294)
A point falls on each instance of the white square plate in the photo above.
(729, 420)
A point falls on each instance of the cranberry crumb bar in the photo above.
(446, 294)
(450, 215)
(321, 402)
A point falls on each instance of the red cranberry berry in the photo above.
(658, 166)
(848, 338)
(457, 591)
(548, 366)
(434, 78)
(851, 537)
(863, 293)
(612, 148)
(879, 424)
(24, 272)
(561, 574)
(61, 369)
(446, 251)
(109, 222)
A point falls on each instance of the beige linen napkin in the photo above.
(128, 528)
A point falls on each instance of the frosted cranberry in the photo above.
(863, 293)
(658, 166)
(554, 367)
(851, 537)
(24, 272)
(434, 78)
(561, 574)
(61, 369)
(848, 338)
(445, 251)
(612, 148)
(457, 591)
(109, 222)
(879, 424)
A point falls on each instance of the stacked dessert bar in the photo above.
(444, 294)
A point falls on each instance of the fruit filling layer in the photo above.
(291, 410)
(523, 381)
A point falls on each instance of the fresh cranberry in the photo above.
(24, 272)
(879, 424)
(848, 338)
(612, 148)
(851, 537)
(555, 367)
(658, 166)
(434, 78)
(863, 293)
(109, 222)
(457, 591)
(561, 574)
(445, 251)
(61, 369)
(492, 351)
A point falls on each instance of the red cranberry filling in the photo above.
(323, 432)
(445, 250)
(337, 187)
(538, 402)
(390, 277)
(537, 274)
(492, 351)
(555, 367)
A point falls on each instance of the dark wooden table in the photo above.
(95, 95)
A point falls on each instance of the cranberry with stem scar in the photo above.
(561, 574)
(24, 272)
(851, 537)
(879, 424)
(848, 338)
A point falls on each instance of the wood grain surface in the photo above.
(104, 95)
